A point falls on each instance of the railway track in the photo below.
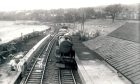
(39, 75)
(36, 73)
(49, 73)
(66, 77)
(55, 75)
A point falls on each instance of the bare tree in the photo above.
(113, 10)
(82, 14)
(90, 13)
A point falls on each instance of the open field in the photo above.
(102, 25)
(9, 30)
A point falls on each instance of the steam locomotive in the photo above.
(65, 53)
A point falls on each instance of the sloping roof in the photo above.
(121, 54)
(129, 31)
(121, 50)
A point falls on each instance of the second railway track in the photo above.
(36, 73)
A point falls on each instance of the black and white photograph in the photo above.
(69, 41)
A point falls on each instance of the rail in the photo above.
(44, 68)
(66, 77)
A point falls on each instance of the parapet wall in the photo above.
(27, 58)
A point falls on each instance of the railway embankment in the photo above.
(23, 46)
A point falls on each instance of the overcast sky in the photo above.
(11, 5)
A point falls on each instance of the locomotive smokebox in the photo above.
(65, 45)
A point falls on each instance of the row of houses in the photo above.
(135, 15)
(130, 12)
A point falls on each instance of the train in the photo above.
(65, 54)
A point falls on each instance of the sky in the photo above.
(12, 5)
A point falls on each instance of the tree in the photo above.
(83, 18)
(89, 12)
(113, 10)
(59, 15)
(69, 17)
